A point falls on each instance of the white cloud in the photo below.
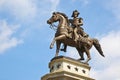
(26, 10)
(111, 72)
(111, 44)
(109, 67)
(7, 40)
(20, 9)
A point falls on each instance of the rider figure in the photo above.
(77, 23)
(78, 30)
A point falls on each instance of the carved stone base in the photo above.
(65, 68)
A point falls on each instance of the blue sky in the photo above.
(25, 36)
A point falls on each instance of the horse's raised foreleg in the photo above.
(52, 43)
(57, 48)
(60, 37)
(55, 39)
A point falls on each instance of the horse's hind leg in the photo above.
(88, 55)
(80, 53)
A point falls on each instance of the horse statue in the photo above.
(62, 35)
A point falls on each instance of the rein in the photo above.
(53, 27)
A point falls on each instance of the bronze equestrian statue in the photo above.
(65, 33)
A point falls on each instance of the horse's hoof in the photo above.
(51, 46)
(56, 55)
(86, 63)
(81, 59)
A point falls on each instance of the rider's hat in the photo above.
(75, 12)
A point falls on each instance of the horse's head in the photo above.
(54, 18)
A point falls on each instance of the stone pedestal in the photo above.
(65, 68)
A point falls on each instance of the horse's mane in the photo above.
(66, 17)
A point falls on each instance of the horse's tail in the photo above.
(98, 47)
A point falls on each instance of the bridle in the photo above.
(53, 27)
